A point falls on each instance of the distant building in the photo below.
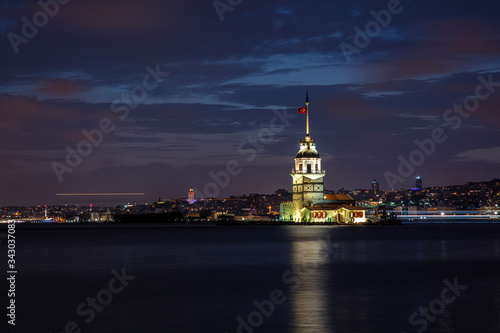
(418, 183)
(375, 186)
(107, 216)
(160, 206)
(309, 203)
(281, 193)
(191, 195)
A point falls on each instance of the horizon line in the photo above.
(97, 194)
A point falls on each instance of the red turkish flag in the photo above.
(303, 109)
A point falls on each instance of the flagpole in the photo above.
(307, 112)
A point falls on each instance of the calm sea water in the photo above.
(257, 279)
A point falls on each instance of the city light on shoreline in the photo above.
(98, 194)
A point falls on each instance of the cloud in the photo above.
(383, 93)
(440, 47)
(227, 78)
(20, 112)
(62, 87)
(122, 15)
(486, 155)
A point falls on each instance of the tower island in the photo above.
(309, 203)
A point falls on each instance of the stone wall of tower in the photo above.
(297, 196)
(307, 190)
(313, 191)
(297, 205)
(286, 211)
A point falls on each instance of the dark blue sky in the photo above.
(226, 82)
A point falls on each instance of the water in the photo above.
(203, 278)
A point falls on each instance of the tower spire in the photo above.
(307, 112)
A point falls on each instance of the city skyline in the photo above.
(165, 95)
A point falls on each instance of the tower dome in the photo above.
(307, 148)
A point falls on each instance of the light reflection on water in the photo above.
(308, 299)
(354, 279)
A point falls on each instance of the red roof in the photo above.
(338, 197)
(334, 207)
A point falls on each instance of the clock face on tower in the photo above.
(308, 187)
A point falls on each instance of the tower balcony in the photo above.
(295, 171)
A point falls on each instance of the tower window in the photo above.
(300, 167)
(308, 168)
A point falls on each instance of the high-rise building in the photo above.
(375, 186)
(418, 183)
(191, 195)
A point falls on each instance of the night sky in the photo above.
(181, 89)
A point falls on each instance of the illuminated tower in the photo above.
(191, 195)
(418, 183)
(375, 186)
(307, 187)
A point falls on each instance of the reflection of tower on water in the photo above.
(308, 282)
